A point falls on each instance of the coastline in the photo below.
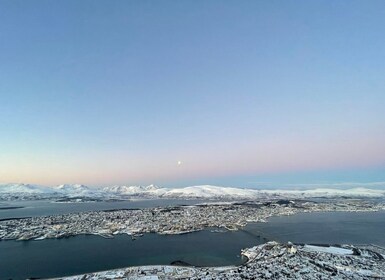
(265, 261)
(166, 254)
(166, 220)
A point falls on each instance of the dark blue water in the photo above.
(325, 227)
(81, 254)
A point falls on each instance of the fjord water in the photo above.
(81, 254)
(325, 228)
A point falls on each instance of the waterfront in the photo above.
(325, 228)
(81, 254)
(27, 208)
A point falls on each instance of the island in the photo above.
(170, 220)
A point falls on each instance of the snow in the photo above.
(130, 190)
(203, 192)
(271, 260)
(75, 190)
(330, 250)
(25, 188)
(208, 191)
(354, 192)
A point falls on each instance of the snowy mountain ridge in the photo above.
(25, 188)
(201, 192)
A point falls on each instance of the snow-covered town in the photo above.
(169, 220)
(271, 261)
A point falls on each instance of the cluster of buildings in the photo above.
(167, 220)
(270, 261)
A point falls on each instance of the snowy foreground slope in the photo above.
(27, 191)
(270, 261)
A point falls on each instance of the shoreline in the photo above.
(373, 259)
(139, 232)
(169, 260)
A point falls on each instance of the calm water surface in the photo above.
(81, 254)
(325, 227)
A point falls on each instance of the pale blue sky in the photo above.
(117, 92)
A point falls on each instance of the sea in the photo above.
(88, 253)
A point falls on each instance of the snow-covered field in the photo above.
(328, 249)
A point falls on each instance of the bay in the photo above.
(325, 228)
(81, 254)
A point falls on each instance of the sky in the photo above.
(175, 93)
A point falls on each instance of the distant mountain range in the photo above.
(28, 191)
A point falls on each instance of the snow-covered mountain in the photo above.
(25, 188)
(132, 190)
(208, 191)
(200, 192)
(78, 190)
(325, 192)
